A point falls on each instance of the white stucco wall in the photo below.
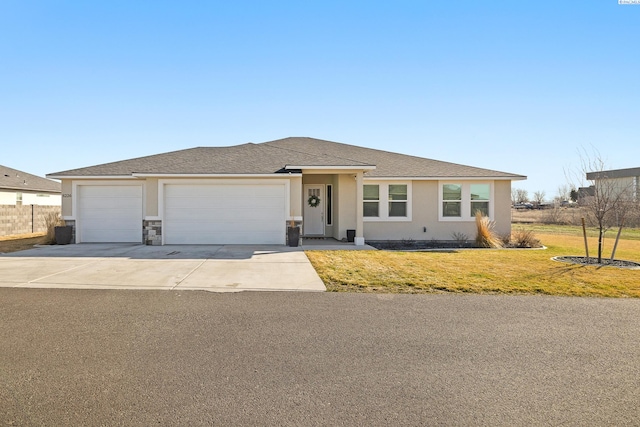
(7, 198)
(39, 199)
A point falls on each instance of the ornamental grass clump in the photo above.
(524, 239)
(486, 237)
(51, 221)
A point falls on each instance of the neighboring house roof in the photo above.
(614, 174)
(276, 156)
(13, 179)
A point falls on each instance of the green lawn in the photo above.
(486, 271)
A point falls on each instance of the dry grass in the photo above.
(521, 238)
(52, 220)
(20, 242)
(486, 271)
(486, 237)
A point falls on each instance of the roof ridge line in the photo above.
(315, 155)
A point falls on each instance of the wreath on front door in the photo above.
(313, 201)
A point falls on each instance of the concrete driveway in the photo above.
(225, 268)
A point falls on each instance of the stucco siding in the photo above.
(151, 197)
(67, 196)
(295, 195)
(7, 198)
(502, 210)
(425, 223)
(345, 206)
(424, 207)
(41, 199)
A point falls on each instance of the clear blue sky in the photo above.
(517, 86)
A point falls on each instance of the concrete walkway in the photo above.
(225, 268)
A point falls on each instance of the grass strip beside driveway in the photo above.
(484, 271)
(20, 242)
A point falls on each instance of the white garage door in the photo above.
(110, 213)
(224, 214)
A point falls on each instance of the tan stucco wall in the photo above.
(295, 193)
(502, 212)
(66, 197)
(425, 213)
(345, 209)
(151, 193)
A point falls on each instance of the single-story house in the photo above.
(250, 193)
(21, 188)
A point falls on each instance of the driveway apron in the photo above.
(224, 268)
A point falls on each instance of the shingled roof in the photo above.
(13, 179)
(275, 156)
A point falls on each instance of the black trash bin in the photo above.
(351, 235)
(293, 236)
(63, 234)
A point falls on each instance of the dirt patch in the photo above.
(21, 242)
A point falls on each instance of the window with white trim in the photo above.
(452, 200)
(459, 201)
(480, 195)
(371, 197)
(398, 200)
(384, 201)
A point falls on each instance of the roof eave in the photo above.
(32, 189)
(55, 176)
(346, 168)
(214, 175)
(451, 177)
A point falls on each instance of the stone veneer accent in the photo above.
(152, 232)
(72, 224)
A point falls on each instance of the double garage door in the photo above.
(193, 214)
(224, 214)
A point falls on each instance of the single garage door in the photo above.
(110, 213)
(224, 214)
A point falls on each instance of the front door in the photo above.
(313, 210)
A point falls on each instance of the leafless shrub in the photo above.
(459, 237)
(524, 239)
(553, 216)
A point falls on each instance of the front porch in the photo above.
(331, 206)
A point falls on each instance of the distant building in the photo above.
(21, 188)
(621, 180)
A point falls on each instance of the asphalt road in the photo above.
(141, 358)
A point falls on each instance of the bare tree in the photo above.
(538, 198)
(609, 200)
(563, 193)
(518, 195)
